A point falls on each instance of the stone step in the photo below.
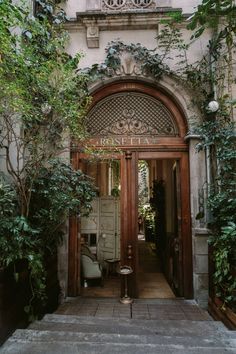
(40, 347)
(115, 325)
(107, 326)
(72, 334)
(213, 341)
(182, 329)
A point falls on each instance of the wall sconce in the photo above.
(212, 107)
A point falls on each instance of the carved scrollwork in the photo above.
(132, 127)
(126, 4)
(114, 4)
(142, 3)
(128, 66)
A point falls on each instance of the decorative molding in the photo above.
(133, 127)
(93, 37)
(143, 3)
(127, 4)
(113, 4)
(133, 18)
(128, 155)
(128, 67)
(122, 21)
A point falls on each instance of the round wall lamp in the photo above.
(212, 107)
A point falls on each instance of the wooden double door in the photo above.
(129, 226)
(182, 260)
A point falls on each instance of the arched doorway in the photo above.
(140, 123)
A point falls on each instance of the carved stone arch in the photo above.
(174, 113)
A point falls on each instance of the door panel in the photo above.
(182, 260)
(109, 221)
(89, 224)
(186, 227)
(104, 221)
(129, 217)
(176, 251)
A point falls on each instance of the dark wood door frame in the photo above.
(74, 245)
(186, 239)
(167, 148)
(129, 217)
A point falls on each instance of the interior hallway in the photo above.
(156, 302)
(152, 283)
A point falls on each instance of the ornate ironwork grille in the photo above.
(130, 114)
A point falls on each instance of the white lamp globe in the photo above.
(213, 106)
(46, 108)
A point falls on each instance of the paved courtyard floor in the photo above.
(145, 309)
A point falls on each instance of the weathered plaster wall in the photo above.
(188, 6)
(78, 43)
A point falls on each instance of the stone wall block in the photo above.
(93, 37)
(163, 3)
(93, 5)
(201, 264)
(201, 282)
(200, 245)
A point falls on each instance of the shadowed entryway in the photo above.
(152, 282)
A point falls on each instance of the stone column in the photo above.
(198, 178)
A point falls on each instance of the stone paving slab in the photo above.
(107, 324)
(190, 329)
(175, 309)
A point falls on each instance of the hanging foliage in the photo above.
(42, 103)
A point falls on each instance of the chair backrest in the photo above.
(90, 269)
(85, 250)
